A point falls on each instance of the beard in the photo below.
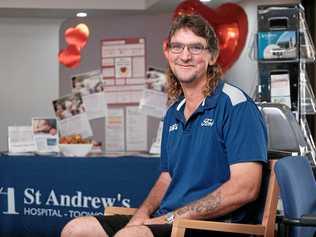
(187, 80)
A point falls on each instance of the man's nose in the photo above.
(185, 54)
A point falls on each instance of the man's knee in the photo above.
(83, 227)
(135, 231)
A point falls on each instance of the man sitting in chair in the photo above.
(213, 146)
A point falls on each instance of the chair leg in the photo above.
(287, 230)
(177, 231)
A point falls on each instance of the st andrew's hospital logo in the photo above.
(7, 201)
(36, 202)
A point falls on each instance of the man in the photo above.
(213, 146)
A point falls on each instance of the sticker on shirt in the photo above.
(173, 127)
(207, 122)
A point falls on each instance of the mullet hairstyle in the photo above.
(201, 28)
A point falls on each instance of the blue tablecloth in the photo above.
(39, 194)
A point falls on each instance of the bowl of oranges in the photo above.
(75, 145)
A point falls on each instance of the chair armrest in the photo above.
(119, 210)
(220, 226)
(309, 219)
(305, 220)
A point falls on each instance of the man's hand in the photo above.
(156, 220)
(138, 219)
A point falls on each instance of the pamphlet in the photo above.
(45, 134)
(280, 89)
(20, 139)
(277, 45)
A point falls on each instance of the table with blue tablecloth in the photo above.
(39, 194)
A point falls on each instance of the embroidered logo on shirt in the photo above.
(208, 122)
(173, 127)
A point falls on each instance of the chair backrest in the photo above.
(298, 191)
(284, 132)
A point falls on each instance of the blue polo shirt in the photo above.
(226, 128)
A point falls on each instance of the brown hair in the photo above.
(201, 28)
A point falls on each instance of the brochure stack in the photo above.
(284, 47)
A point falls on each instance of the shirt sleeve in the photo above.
(245, 134)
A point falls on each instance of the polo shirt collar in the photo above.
(208, 102)
(211, 100)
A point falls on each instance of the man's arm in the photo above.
(152, 201)
(242, 187)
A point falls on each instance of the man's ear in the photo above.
(165, 48)
(213, 59)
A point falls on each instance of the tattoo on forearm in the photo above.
(203, 206)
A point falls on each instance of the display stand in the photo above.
(284, 46)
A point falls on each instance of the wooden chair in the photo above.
(119, 210)
(266, 228)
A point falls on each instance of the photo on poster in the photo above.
(44, 126)
(68, 106)
(123, 67)
(154, 99)
(87, 83)
(72, 116)
(90, 86)
(45, 134)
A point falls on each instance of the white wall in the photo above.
(29, 70)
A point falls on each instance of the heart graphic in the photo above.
(230, 24)
(70, 56)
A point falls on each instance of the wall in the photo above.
(29, 71)
(154, 28)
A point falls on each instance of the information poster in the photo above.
(114, 130)
(90, 86)
(154, 99)
(123, 69)
(136, 129)
(72, 116)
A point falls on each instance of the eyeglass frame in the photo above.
(188, 46)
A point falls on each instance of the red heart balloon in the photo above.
(230, 24)
(70, 56)
(75, 36)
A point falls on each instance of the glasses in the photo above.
(195, 49)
